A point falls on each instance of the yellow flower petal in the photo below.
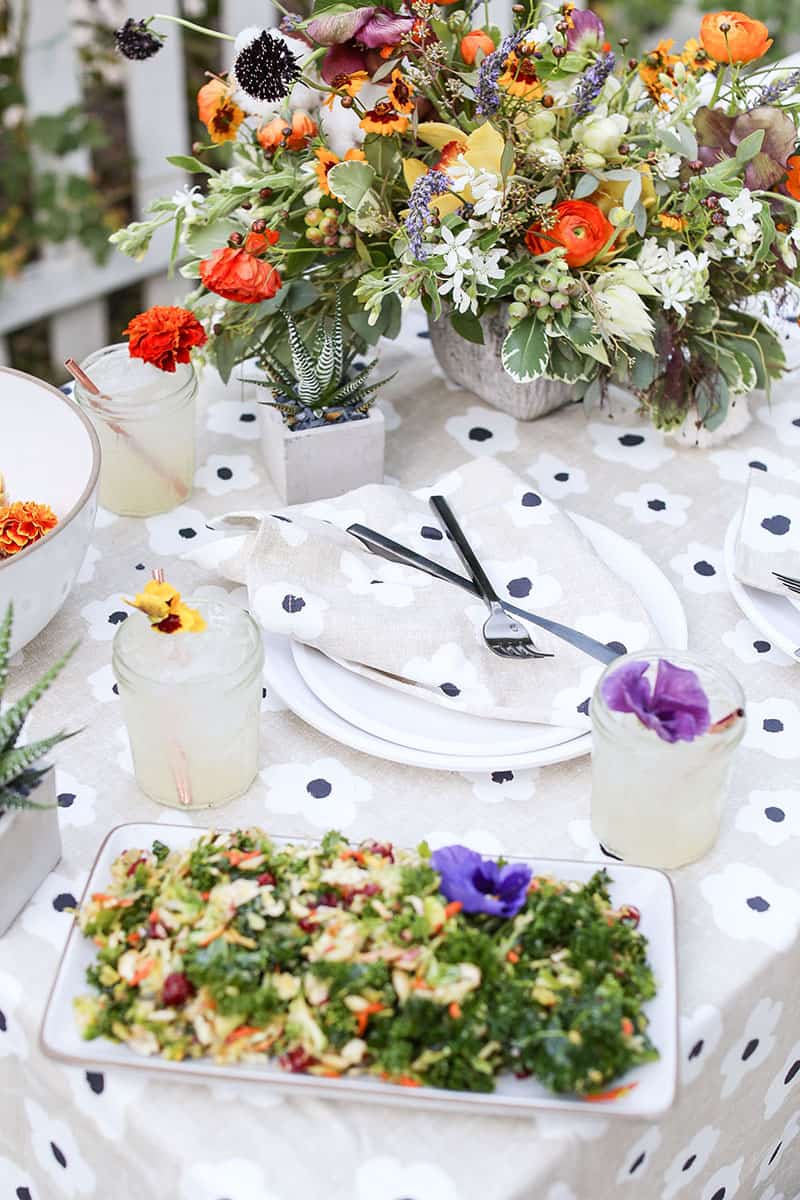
(437, 134)
(151, 606)
(191, 621)
(413, 170)
(162, 591)
(485, 148)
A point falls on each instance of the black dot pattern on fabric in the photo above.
(637, 1162)
(116, 618)
(750, 1049)
(64, 900)
(502, 776)
(115, 689)
(531, 500)
(96, 1082)
(775, 1153)
(66, 799)
(762, 647)
(697, 1049)
(584, 706)
(758, 903)
(630, 439)
(719, 1194)
(187, 532)
(450, 689)
(3, 1022)
(757, 466)
(656, 505)
(772, 725)
(292, 604)
(23, 1193)
(479, 434)
(689, 1162)
(248, 418)
(704, 568)
(139, 566)
(620, 647)
(320, 789)
(431, 533)
(792, 1072)
(519, 588)
(224, 473)
(777, 524)
(561, 476)
(58, 1154)
(775, 814)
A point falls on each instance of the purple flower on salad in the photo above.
(586, 31)
(480, 884)
(675, 707)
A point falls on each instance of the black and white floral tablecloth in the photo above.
(735, 1128)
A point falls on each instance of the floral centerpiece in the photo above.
(616, 212)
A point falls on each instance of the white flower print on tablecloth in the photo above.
(484, 431)
(776, 1152)
(701, 569)
(560, 1191)
(75, 800)
(636, 1162)
(521, 582)
(224, 473)
(424, 534)
(580, 833)
(750, 645)
(724, 1183)
(15, 1180)
(123, 757)
(774, 514)
(783, 419)
(12, 1035)
(528, 507)
(106, 1097)
(58, 1153)
(390, 584)
(233, 1178)
(103, 616)
(773, 725)
(283, 608)
(237, 418)
(771, 816)
(577, 699)
(500, 786)
(556, 479)
(325, 792)
(102, 684)
(483, 841)
(700, 1034)
(385, 1178)
(48, 915)
(613, 630)
(639, 446)
(746, 903)
(736, 465)
(652, 504)
(752, 1046)
(331, 510)
(89, 565)
(689, 1162)
(785, 1084)
(184, 528)
(449, 670)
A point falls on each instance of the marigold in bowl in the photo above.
(23, 523)
(580, 227)
(164, 335)
(744, 40)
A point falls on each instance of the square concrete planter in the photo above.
(314, 464)
(30, 847)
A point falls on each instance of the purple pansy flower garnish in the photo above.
(676, 707)
(586, 31)
(482, 886)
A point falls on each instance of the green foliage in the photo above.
(19, 772)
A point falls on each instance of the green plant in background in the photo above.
(324, 386)
(19, 770)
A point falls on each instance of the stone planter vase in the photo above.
(736, 421)
(314, 464)
(30, 847)
(479, 369)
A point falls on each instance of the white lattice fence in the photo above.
(65, 286)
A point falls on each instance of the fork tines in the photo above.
(788, 582)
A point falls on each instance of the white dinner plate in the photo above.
(364, 714)
(654, 1083)
(775, 616)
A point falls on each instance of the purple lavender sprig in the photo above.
(487, 92)
(773, 91)
(435, 183)
(590, 84)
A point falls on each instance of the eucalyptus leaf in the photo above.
(586, 185)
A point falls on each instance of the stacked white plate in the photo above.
(363, 713)
(777, 617)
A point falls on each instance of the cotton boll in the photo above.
(305, 97)
(340, 128)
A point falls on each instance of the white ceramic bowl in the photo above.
(49, 452)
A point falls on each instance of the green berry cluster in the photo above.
(546, 294)
(325, 227)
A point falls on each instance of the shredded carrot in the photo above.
(204, 895)
(134, 938)
(208, 938)
(454, 1009)
(407, 1081)
(419, 985)
(358, 855)
(450, 910)
(239, 856)
(512, 956)
(241, 1031)
(534, 885)
(363, 1017)
(613, 1094)
(328, 1073)
(155, 915)
(99, 897)
(143, 971)
(98, 941)
(627, 1026)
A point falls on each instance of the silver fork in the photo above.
(793, 585)
(503, 635)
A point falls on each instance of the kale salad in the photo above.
(442, 968)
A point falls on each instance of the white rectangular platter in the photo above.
(650, 891)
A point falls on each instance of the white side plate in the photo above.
(649, 890)
(775, 616)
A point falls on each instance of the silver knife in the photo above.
(395, 552)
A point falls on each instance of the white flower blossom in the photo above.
(189, 201)
(679, 276)
(742, 223)
(667, 166)
(466, 267)
(485, 187)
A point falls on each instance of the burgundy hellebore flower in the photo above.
(352, 34)
(718, 135)
(586, 31)
(676, 708)
(480, 884)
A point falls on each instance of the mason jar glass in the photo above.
(145, 420)
(658, 803)
(191, 703)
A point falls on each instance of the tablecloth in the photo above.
(735, 1126)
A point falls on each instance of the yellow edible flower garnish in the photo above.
(162, 604)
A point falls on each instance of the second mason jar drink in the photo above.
(192, 705)
(145, 419)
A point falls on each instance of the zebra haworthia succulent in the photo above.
(323, 385)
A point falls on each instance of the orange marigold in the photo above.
(217, 111)
(327, 159)
(23, 523)
(164, 335)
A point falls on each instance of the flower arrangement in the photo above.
(22, 523)
(618, 211)
(19, 773)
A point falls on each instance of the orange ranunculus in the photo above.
(237, 274)
(384, 120)
(304, 128)
(745, 39)
(217, 111)
(294, 134)
(580, 227)
(272, 134)
(474, 41)
(327, 159)
(164, 335)
(792, 182)
(23, 523)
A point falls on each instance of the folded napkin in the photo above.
(312, 581)
(769, 533)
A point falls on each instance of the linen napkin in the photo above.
(769, 533)
(308, 579)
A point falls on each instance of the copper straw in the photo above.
(77, 372)
(180, 768)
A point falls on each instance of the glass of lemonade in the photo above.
(654, 802)
(145, 420)
(192, 703)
